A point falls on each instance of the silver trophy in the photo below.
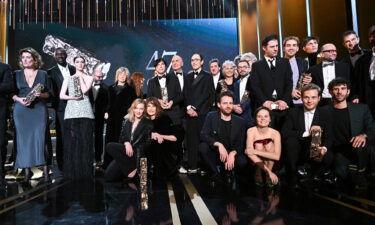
(77, 87)
(143, 183)
(245, 96)
(164, 95)
(300, 83)
(316, 141)
(274, 106)
(224, 86)
(38, 88)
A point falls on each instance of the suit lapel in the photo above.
(301, 118)
(316, 118)
(198, 78)
(320, 75)
(137, 130)
(59, 74)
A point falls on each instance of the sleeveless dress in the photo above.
(78, 141)
(31, 123)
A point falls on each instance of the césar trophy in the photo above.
(30, 98)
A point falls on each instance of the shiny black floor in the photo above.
(189, 200)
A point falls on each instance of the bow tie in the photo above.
(179, 73)
(96, 84)
(161, 77)
(196, 73)
(356, 53)
(328, 64)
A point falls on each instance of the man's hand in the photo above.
(222, 151)
(229, 165)
(192, 113)
(296, 94)
(356, 100)
(358, 141)
(282, 105)
(237, 109)
(268, 104)
(307, 78)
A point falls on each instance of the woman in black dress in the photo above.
(134, 140)
(166, 141)
(121, 95)
(227, 83)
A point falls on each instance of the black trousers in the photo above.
(60, 134)
(346, 154)
(278, 118)
(297, 151)
(121, 165)
(211, 157)
(193, 129)
(98, 132)
(3, 137)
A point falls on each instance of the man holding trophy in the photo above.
(308, 135)
(166, 88)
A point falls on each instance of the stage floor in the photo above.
(188, 200)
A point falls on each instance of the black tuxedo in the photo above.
(140, 140)
(363, 87)
(302, 64)
(199, 94)
(211, 133)
(297, 147)
(263, 81)
(7, 86)
(348, 61)
(100, 107)
(174, 94)
(59, 106)
(361, 122)
(182, 103)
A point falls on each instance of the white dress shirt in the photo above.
(328, 76)
(95, 90)
(216, 79)
(180, 79)
(162, 81)
(372, 67)
(268, 62)
(64, 70)
(243, 83)
(309, 116)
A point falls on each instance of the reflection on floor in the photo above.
(188, 200)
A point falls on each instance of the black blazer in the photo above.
(200, 92)
(363, 87)
(348, 61)
(141, 138)
(56, 81)
(210, 131)
(101, 103)
(341, 70)
(302, 64)
(361, 121)
(7, 82)
(294, 125)
(174, 94)
(263, 81)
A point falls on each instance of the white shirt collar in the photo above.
(310, 112)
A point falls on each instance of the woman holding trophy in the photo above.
(79, 123)
(227, 83)
(30, 112)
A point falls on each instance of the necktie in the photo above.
(161, 77)
(272, 67)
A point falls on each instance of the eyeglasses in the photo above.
(242, 67)
(330, 51)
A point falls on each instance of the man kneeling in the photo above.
(222, 139)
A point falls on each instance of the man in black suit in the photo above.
(215, 71)
(166, 88)
(354, 133)
(297, 128)
(364, 86)
(328, 70)
(7, 85)
(199, 96)
(351, 42)
(222, 139)
(310, 46)
(57, 75)
(297, 64)
(271, 81)
(99, 98)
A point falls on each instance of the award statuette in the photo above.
(77, 86)
(316, 141)
(245, 96)
(300, 83)
(164, 95)
(143, 183)
(38, 88)
(224, 86)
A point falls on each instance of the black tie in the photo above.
(327, 64)
(178, 73)
(271, 63)
(195, 74)
(96, 84)
(161, 77)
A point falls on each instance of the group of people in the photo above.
(265, 114)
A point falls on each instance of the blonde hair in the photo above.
(136, 102)
(36, 56)
(123, 70)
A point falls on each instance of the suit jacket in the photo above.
(348, 61)
(246, 105)
(141, 138)
(361, 121)
(263, 81)
(200, 92)
(182, 103)
(302, 64)
(341, 70)
(7, 82)
(56, 81)
(174, 94)
(363, 87)
(211, 129)
(294, 125)
(101, 104)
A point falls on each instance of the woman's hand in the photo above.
(128, 149)
(22, 101)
